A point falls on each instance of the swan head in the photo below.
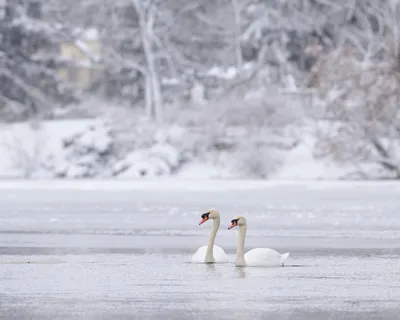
(212, 214)
(238, 221)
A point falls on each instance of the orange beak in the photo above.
(203, 220)
(234, 224)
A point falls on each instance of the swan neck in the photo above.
(211, 240)
(240, 246)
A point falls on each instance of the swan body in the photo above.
(210, 253)
(258, 257)
(265, 257)
(219, 255)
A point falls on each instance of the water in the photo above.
(119, 253)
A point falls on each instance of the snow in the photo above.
(202, 171)
(96, 138)
(218, 72)
(91, 34)
(81, 45)
(300, 164)
(25, 140)
(196, 185)
(87, 149)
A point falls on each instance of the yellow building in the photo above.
(83, 59)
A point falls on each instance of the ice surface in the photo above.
(90, 249)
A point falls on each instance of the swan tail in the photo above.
(285, 256)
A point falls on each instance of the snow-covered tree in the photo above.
(359, 86)
(28, 60)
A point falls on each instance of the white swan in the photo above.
(259, 257)
(210, 253)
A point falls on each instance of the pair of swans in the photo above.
(259, 257)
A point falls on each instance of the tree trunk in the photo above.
(154, 101)
(237, 34)
(148, 97)
(157, 99)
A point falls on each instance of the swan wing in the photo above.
(219, 255)
(200, 254)
(264, 257)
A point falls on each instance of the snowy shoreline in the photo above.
(88, 148)
(91, 149)
(172, 184)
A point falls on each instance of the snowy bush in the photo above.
(241, 133)
(162, 156)
(85, 154)
(161, 159)
(96, 152)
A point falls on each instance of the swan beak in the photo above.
(203, 220)
(234, 224)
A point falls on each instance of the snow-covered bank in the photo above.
(75, 149)
(89, 149)
(204, 185)
(85, 149)
(25, 146)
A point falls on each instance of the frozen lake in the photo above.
(110, 250)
